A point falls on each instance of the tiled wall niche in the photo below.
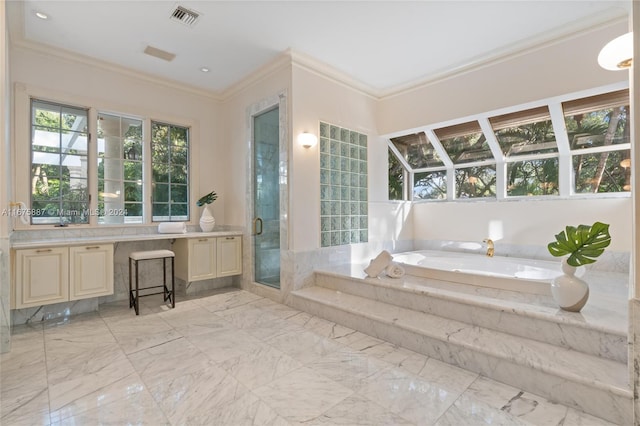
(343, 186)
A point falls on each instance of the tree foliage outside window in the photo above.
(532, 177)
(396, 178)
(430, 185)
(170, 172)
(476, 182)
(59, 167)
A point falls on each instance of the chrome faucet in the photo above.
(490, 249)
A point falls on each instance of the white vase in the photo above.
(569, 292)
(207, 221)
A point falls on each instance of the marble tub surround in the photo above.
(515, 338)
(89, 369)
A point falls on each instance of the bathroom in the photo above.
(220, 132)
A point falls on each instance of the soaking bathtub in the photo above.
(505, 273)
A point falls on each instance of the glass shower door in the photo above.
(266, 198)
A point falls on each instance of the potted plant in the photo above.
(207, 221)
(582, 244)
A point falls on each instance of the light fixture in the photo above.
(307, 140)
(617, 54)
(626, 163)
(204, 69)
(41, 15)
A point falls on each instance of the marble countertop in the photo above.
(102, 239)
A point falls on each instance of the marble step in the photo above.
(532, 316)
(595, 385)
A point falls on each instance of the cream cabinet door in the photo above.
(202, 259)
(91, 270)
(42, 276)
(229, 256)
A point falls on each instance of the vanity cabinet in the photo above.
(91, 269)
(229, 256)
(60, 274)
(41, 276)
(204, 258)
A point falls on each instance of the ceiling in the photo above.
(383, 45)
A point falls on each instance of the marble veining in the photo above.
(194, 365)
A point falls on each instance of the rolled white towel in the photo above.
(172, 228)
(379, 264)
(394, 270)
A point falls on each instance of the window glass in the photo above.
(59, 168)
(598, 120)
(602, 172)
(525, 132)
(465, 143)
(120, 165)
(417, 150)
(532, 177)
(170, 172)
(430, 185)
(397, 175)
(476, 182)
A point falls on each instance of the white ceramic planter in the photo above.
(570, 292)
(207, 221)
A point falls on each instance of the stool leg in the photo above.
(130, 287)
(164, 279)
(173, 284)
(136, 302)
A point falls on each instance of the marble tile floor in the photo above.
(233, 358)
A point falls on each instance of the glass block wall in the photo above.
(343, 186)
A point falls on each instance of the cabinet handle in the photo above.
(92, 247)
(43, 251)
(231, 238)
(202, 240)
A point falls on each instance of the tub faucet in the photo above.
(490, 249)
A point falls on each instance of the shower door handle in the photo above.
(255, 226)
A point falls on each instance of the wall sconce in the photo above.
(617, 54)
(626, 163)
(307, 140)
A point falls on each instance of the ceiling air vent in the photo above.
(184, 15)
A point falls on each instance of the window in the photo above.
(170, 169)
(599, 136)
(59, 164)
(120, 166)
(87, 166)
(519, 154)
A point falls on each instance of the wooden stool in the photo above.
(134, 294)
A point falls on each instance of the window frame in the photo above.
(564, 153)
(21, 157)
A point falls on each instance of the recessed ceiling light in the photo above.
(204, 69)
(42, 15)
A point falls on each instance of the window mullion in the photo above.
(147, 191)
(501, 172)
(439, 148)
(562, 140)
(92, 159)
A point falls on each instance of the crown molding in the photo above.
(55, 52)
(281, 61)
(329, 72)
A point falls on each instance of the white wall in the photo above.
(530, 223)
(121, 92)
(566, 66)
(317, 98)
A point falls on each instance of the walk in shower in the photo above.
(266, 197)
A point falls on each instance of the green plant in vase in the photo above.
(580, 245)
(207, 221)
